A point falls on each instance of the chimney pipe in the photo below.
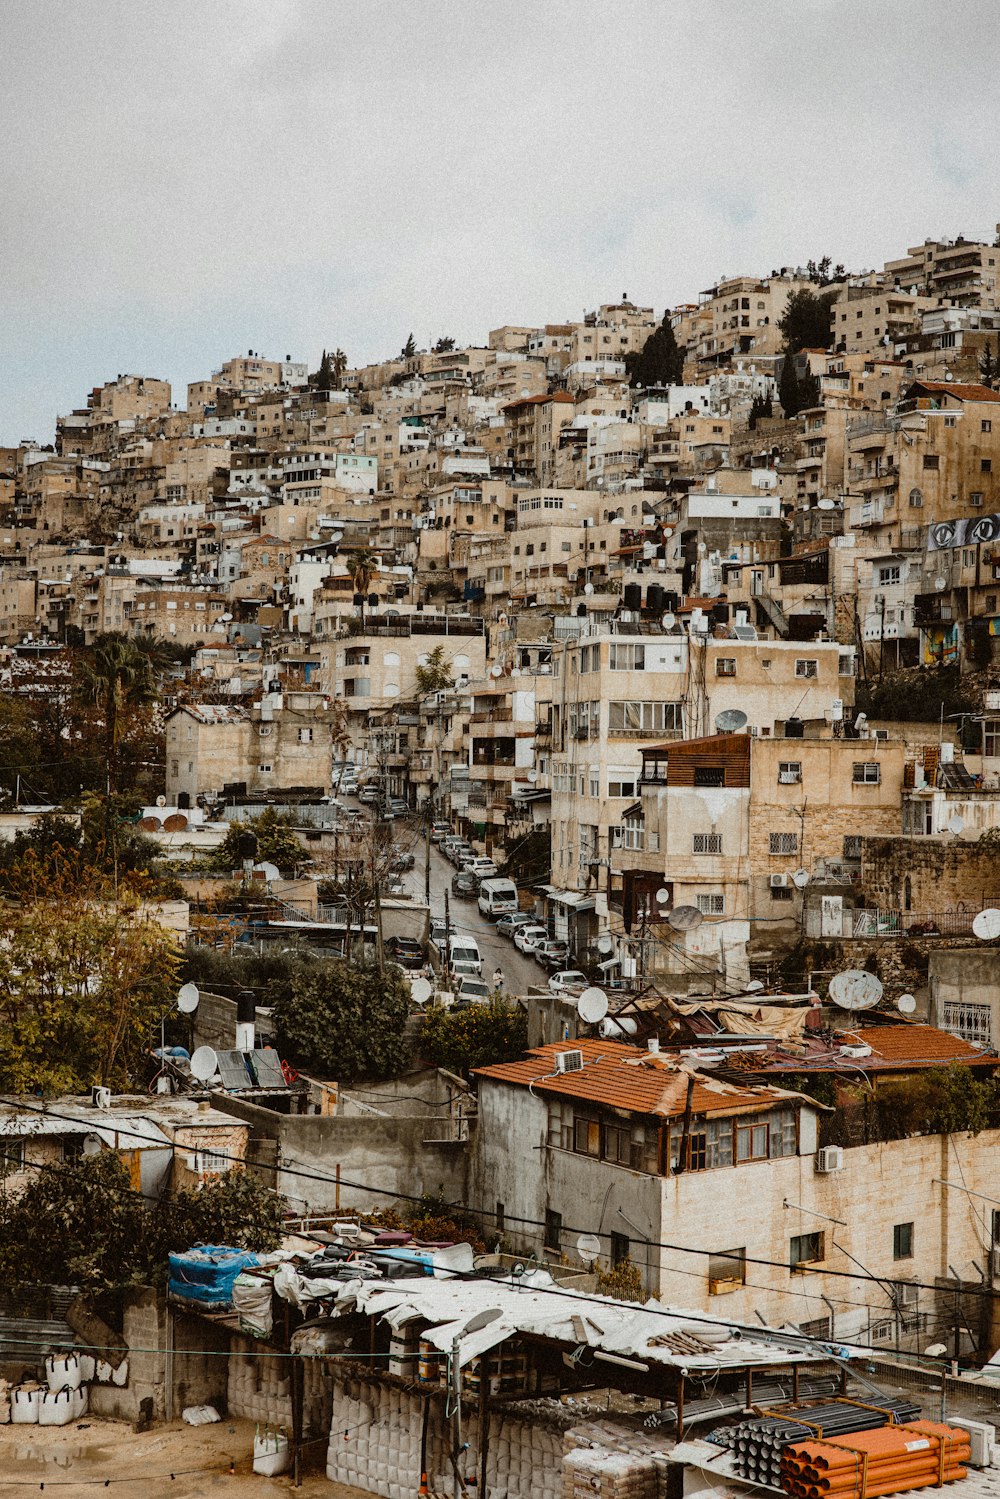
(246, 1019)
(653, 1045)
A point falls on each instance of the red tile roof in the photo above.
(901, 1047)
(623, 1077)
(962, 392)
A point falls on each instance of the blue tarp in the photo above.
(207, 1273)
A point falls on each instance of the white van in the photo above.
(465, 950)
(497, 897)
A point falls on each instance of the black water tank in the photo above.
(247, 845)
(246, 1007)
(671, 600)
(581, 611)
(720, 614)
(633, 596)
(654, 598)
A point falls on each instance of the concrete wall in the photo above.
(964, 976)
(145, 1335)
(379, 1156)
(942, 873)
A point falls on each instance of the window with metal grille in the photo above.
(789, 772)
(725, 666)
(867, 773)
(970, 1021)
(707, 843)
(783, 843)
(806, 668)
(852, 846)
(815, 1327)
(711, 905)
(727, 1268)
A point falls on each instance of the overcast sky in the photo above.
(182, 182)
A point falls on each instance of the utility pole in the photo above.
(447, 935)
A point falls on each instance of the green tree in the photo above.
(462, 1040)
(435, 675)
(323, 378)
(788, 387)
(345, 1021)
(338, 369)
(659, 361)
(119, 679)
(409, 348)
(805, 321)
(444, 345)
(761, 409)
(989, 364)
(276, 842)
(810, 394)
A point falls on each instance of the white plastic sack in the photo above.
(200, 1415)
(62, 1371)
(271, 1454)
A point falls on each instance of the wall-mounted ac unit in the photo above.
(906, 1293)
(830, 1158)
(778, 881)
(982, 1436)
(569, 1061)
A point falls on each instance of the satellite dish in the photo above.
(906, 1003)
(826, 505)
(225, 618)
(269, 871)
(855, 989)
(336, 536)
(421, 990)
(532, 776)
(592, 1005)
(588, 588)
(702, 549)
(940, 584)
(936, 1350)
(754, 987)
(685, 918)
(987, 924)
(605, 942)
(731, 721)
(800, 879)
(662, 895)
(496, 671)
(668, 621)
(204, 1064)
(588, 1246)
(956, 824)
(187, 999)
(161, 801)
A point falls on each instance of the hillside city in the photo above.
(455, 812)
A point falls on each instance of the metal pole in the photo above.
(456, 1385)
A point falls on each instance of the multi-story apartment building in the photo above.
(960, 272)
(281, 743)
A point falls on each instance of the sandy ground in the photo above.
(74, 1461)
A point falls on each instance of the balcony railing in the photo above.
(872, 922)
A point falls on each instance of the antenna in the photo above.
(986, 925)
(855, 989)
(731, 721)
(204, 1064)
(906, 1003)
(685, 918)
(187, 999)
(592, 1006)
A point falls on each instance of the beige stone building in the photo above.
(960, 271)
(280, 743)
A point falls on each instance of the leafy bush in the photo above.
(462, 1040)
(343, 1020)
(276, 842)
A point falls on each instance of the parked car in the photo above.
(511, 920)
(449, 843)
(465, 858)
(437, 930)
(399, 807)
(464, 970)
(440, 830)
(403, 862)
(527, 938)
(406, 952)
(472, 989)
(369, 794)
(484, 868)
(568, 981)
(551, 954)
(463, 883)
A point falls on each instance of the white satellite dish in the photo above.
(496, 671)
(685, 918)
(855, 989)
(421, 990)
(605, 942)
(592, 1006)
(940, 584)
(336, 536)
(956, 824)
(225, 618)
(731, 721)
(986, 925)
(161, 801)
(588, 1246)
(269, 871)
(800, 879)
(532, 776)
(826, 504)
(204, 1064)
(936, 1350)
(906, 1003)
(669, 620)
(187, 999)
(662, 895)
(754, 986)
(588, 588)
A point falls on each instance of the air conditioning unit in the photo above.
(569, 1061)
(778, 881)
(906, 1293)
(830, 1158)
(882, 735)
(982, 1436)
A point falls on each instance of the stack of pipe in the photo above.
(870, 1463)
(758, 1445)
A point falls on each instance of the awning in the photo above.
(575, 899)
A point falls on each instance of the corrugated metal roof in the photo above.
(119, 1131)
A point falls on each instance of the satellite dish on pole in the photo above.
(731, 721)
(204, 1064)
(421, 990)
(662, 896)
(800, 879)
(271, 872)
(855, 989)
(956, 824)
(187, 999)
(685, 918)
(588, 1246)
(668, 621)
(605, 942)
(592, 1006)
(986, 925)
(906, 1003)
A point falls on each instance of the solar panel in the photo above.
(267, 1065)
(233, 1071)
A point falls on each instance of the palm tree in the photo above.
(362, 566)
(119, 675)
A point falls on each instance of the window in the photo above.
(709, 775)
(726, 1269)
(902, 1241)
(817, 1327)
(752, 1142)
(806, 668)
(560, 1132)
(619, 1248)
(553, 1230)
(916, 499)
(976, 498)
(986, 465)
(852, 846)
(305, 736)
(645, 718)
(11, 1156)
(845, 666)
(782, 892)
(970, 1021)
(586, 1136)
(501, 1214)
(991, 737)
(789, 772)
(711, 905)
(211, 1162)
(867, 773)
(888, 575)
(707, 843)
(986, 426)
(996, 1225)
(619, 786)
(930, 460)
(627, 655)
(725, 666)
(805, 1249)
(783, 843)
